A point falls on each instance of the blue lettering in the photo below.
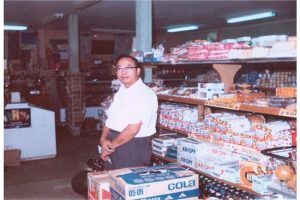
(187, 161)
(189, 150)
(180, 185)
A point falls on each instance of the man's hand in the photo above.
(107, 149)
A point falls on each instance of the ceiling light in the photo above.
(252, 17)
(182, 28)
(53, 18)
(103, 30)
(87, 3)
(15, 27)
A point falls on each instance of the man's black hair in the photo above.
(136, 62)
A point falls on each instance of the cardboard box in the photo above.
(205, 164)
(211, 86)
(12, 157)
(228, 172)
(260, 184)
(158, 182)
(99, 185)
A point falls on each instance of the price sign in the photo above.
(231, 106)
(287, 113)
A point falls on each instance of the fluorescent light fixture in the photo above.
(182, 28)
(15, 27)
(252, 17)
(87, 3)
(103, 30)
(53, 18)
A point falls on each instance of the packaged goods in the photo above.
(286, 92)
(159, 182)
(260, 184)
(227, 171)
(98, 185)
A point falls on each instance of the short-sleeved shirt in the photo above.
(132, 105)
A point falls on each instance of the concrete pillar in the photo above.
(73, 43)
(143, 27)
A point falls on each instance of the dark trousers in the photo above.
(137, 152)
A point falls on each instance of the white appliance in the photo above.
(36, 141)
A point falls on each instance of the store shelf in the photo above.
(232, 61)
(268, 110)
(170, 129)
(210, 176)
(97, 82)
(230, 106)
(178, 99)
(232, 147)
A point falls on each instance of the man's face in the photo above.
(127, 72)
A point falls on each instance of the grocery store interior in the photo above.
(224, 73)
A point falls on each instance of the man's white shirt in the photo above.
(132, 105)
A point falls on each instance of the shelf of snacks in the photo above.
(227, 61)
(218, 142)
(225, 142)
(277, 111)
(212, 177)
(253, 108)
(244, 150)
(181, 99)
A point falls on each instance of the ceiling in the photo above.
(120, 15)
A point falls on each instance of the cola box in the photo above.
(169, 181)
(99, 185)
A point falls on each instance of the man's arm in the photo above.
(104, 134)
(127, 134)
(107, 146)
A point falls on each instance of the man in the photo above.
(126, 136)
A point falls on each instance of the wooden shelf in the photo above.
(231, 106)
(232, 61)
(178, 99)
(173, 130)
(237, 148)
(210, 176)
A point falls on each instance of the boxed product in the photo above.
(98, 185)
(208, 95)
(188, 150)
(260, 184)
(12, 157)
(227, 171)
(207, 90)
(156, 182)
(206, 164)
(211, 86)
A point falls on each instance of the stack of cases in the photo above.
(166, 145)
(75, 105)
(159, 182)
(207, 90)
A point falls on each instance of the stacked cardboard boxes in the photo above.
(156, 182)
(75, 106)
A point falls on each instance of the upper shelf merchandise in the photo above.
(243, 49)
(227, 107)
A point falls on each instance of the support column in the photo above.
(73, 43)
(227, 73)
(143, 27)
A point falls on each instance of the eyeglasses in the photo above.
(125, 69)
